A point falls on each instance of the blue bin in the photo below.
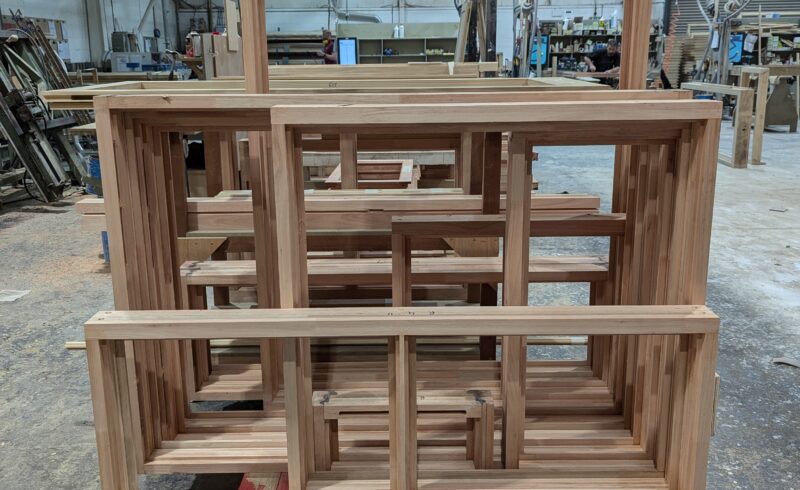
(94, 172)
(104, 239)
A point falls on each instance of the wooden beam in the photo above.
(426, 270)
(293, 280)
(494, 225)
(174, 100)
(403, 412)
(348, 150)
(110, 404)
(516, 246)
(715, 88)
(742, 126)
(636, 21)
(232, 25)
(409, 321)
(260, 174)
(254, 46)
(762, 91)
(495, 115)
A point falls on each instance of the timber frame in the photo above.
(761, 74)
(743, 120)
(656, 359)
(746, 73)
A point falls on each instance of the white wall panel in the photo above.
(70, 11)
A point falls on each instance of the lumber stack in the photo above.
(82, 97)
(421, 379)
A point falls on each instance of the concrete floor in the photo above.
(46, 433)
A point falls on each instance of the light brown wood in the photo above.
(348, 148)
(378, 174)
(636, 21)
(235, 216)
(645, 377)
(762, 90)
(441, 321)
(476, 405)
(436, 90)
(516, 246)
(259, 171)
(743, 120)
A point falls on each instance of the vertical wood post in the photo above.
(403, 413)
(636, 20)
(110, 402)
(698, 411)
(743, 122)
(293, 277)
(490, 190)
(463, 166)
(259, 171)
(761, 113)
(516, 259)
(402, 378)
(348, 150)
(212, 151)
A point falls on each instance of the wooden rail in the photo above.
(81, 97)
(400, 321)
(326, 211)
(561, 224)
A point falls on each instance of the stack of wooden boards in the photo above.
(409, 395)
(333, 81)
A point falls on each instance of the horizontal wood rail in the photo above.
(410, 321)
(168, 96)
(370, 201)
(425, 270)
(562, 224)
(173, 98)
(486, 113)
(234, 215)
(82, 97)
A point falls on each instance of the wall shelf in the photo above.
(420, 39)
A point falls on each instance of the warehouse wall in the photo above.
(283, 15)
(293, 16)
(74, 12)
(70, 11)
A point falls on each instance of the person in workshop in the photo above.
(328, 52)
(604, 60)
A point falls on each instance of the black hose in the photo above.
(25, 184)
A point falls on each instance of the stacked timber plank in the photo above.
(81, 97)
(636, 412)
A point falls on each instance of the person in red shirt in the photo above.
(328, 53)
